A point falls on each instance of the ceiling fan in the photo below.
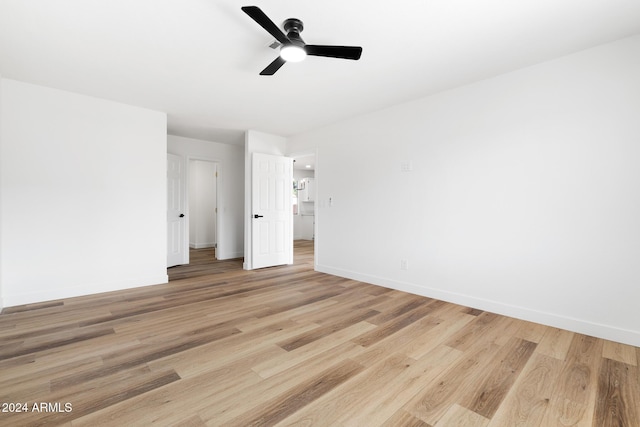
(293, 48)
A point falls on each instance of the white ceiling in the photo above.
(307, 162)
(198, 60)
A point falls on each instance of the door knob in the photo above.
(258, 216)
(181, 215)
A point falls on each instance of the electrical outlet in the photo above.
(404, 264)
(406, 166)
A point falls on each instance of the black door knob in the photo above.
(258, 216)
(181, 215)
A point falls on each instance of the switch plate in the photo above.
(406, 166)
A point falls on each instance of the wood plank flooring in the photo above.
(219, 346)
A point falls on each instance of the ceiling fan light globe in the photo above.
(292, 53)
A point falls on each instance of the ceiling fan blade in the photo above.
(344, 52)
(273, 67)
(263, 20)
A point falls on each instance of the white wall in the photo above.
(523, 198)
(230, 160)
(257, 142)
(1, 198)
(202, 204)
(193, 201)
(83, 194)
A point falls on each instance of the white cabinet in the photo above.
(306, 189)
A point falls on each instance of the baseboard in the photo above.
(202, 245)
(303, 237)
(582, 326)
(229, 255)
(82, 290)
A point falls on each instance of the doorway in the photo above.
(203, 204)
(304, 198)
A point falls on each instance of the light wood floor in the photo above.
(219, 346)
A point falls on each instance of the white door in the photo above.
(271, 230)
(213, 196)
(177, 252)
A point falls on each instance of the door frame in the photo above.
(221, 244)
(316, 221)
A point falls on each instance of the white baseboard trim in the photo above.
(582, 326)
(303, 237)
(230, 255)
(82, 290)
(202, 245)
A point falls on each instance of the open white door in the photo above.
(177, 252)
(271, 223)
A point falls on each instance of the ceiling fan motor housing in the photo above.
(293, 28)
